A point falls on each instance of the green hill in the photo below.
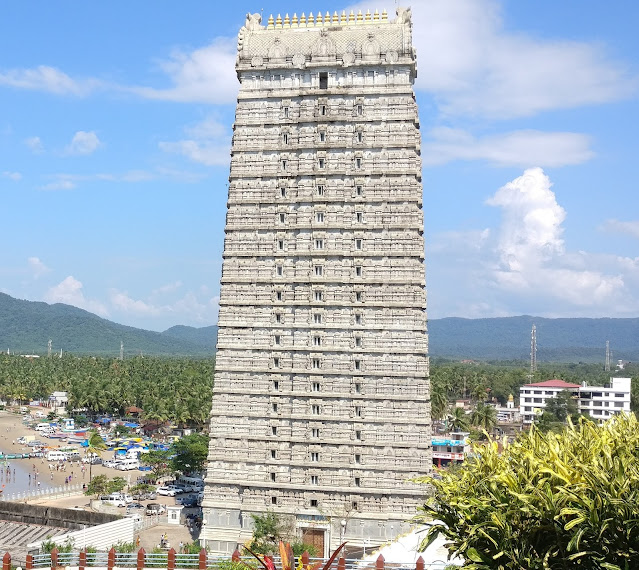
(26, 327)
(558, 340)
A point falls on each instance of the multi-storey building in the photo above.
(599, 402)
(321, 401)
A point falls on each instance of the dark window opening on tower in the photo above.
(323, 76)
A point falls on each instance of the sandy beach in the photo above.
(29, 471)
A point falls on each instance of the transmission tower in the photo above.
(608, 357)
(49, 348)
(533, 351)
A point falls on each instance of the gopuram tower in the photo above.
(321, 406)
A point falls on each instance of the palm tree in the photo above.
(457, 419)
(95, 446)
(484, 416)
(438, 401)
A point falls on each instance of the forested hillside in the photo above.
(26, 327)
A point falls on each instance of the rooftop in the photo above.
(556, 383)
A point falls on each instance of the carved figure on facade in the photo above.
(324, 47)
(403, 15)
(371, 48)
(277, 51)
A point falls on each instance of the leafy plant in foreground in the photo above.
(547, 501)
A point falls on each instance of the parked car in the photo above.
(115, 499)
(132, 507)
(155, 509)
(168, 490)
(188, 501)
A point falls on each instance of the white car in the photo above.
(168, 491)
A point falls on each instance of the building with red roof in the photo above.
(599, 402)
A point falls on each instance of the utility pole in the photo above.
(533, 351)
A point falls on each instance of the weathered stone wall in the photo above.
(52, 516)
(321, 407)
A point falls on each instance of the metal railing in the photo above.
(46, 493)
(171, 560)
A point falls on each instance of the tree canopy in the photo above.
(189, 453)
(547, 501)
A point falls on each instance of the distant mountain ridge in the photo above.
(26, 327)
(558, 340)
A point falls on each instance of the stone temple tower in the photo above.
(321, 406)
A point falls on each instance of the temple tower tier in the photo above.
(321, 406)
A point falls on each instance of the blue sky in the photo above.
(115, 128)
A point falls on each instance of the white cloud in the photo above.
(206, 153)
(15, 176)
(209, 143)
(204, 75)
(522, 266)
(474, 66)
(50, 79)
(83, 142)
(70, 292)
(122, 302)
(35, 144)
(168, 288)
(631, 228)
(59, 184)
(531, 250)
(518, 148)
(37, 267)
(188, 308)
(531, 221)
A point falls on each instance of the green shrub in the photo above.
(550, 501)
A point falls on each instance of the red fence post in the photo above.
(111, 559)
(236, 556)
(305, 558)
(170, 561)
(82, 562)
(379, 563)
(140, 561)
(29, 562)
(341, 563)
(419, 565)
(6, 561)
(54, 558)
(202, 560)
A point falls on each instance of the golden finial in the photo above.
(271, 23)
(294, 20)
(351, 18)
(311, 20)
(327, 19)
(376, 16)
(360, 18)
(287, 21)
(303, 20)
(318, 20)
(335, 18)
(278, 21)
(343, 18)
(368, 17)
(384, 16)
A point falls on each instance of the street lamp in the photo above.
(342, 531)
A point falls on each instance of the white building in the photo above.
(599, 402)
(321, 405)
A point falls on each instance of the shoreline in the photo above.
(30, 471)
